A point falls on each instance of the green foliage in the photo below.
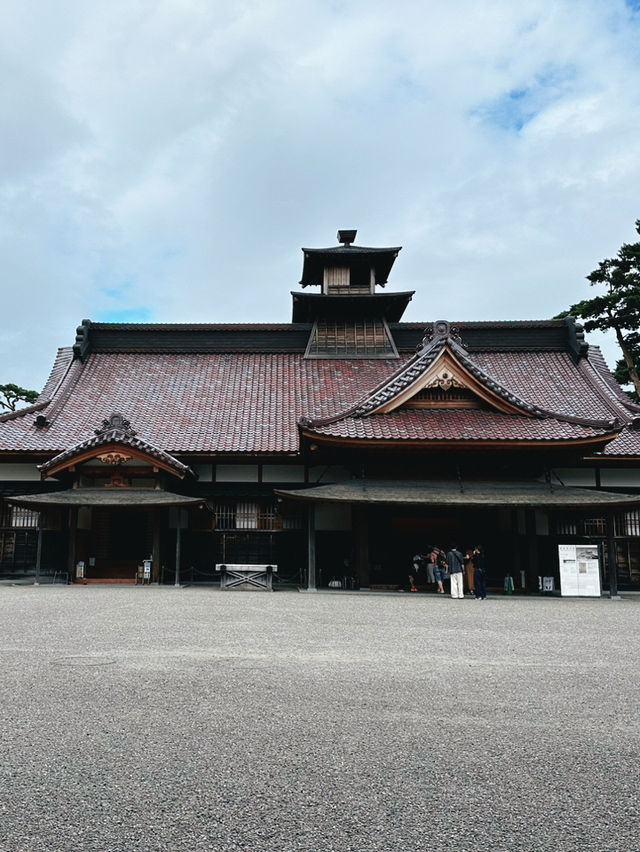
(11, 395)
(617, 309)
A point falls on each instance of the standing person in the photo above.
(429, 564)
(468, 572)
(479, 572)
(436, 557)
(455, 561)
(413, 578)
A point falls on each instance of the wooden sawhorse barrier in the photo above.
(246, 578)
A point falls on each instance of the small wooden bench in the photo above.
(243, 578)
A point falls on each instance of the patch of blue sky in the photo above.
(141, 314)
(115, 292)
(634, 5)
(513, 110)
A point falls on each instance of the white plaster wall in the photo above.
(329, 474)
(204, 471)
(16, 471)
(236, 473)
(333, 516)
(585, 477)
(282, 473)
(620, 477)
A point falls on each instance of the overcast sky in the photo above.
(166, 161)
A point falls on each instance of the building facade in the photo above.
(335, 446)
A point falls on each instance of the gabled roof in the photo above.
(114, 434)
(443, 361)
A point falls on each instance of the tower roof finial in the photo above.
(346, 237)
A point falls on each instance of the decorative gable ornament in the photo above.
(114, 458)
(444, 380)
(440, 331)
(116, 423)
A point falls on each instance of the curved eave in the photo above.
(308, 306)
(316, 260)
(67, 462)
(458, 443)
(451, 494)
(115, 497)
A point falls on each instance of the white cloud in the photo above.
(173, 157)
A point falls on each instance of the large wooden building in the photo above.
(335, 446)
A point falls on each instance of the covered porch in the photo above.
(380, 525)
(110, 532)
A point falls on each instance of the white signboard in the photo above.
(579, 570)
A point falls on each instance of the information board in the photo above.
(579, 570)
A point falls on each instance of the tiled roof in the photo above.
(239, 403)
(252, 402)
(457, 425)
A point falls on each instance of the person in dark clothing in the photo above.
(479, 572)
(455, 561)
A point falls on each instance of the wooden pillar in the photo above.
(612, 557)
(178, 531)
(515, 554)
(36, 581)
(71, 548)
(361, 542)
(155, 547)
(311, 547)
(533, 562)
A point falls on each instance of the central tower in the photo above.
(350, 318)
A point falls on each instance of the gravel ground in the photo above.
(146, 718)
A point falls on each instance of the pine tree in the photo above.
(617, 309)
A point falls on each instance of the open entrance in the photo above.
(115, 544)
(397, 536)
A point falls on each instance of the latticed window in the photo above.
(22, 517)
(17, 517)
(18, 537)
(253, 515)
(566, 526)
(595, 526)
(339, 338)
(438, 397)
(625, 525)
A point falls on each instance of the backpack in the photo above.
(442, 564)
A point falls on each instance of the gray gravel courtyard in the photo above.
(149, 718)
